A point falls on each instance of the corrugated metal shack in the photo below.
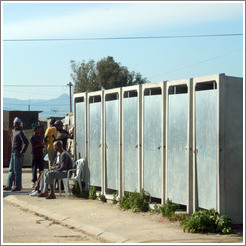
(28, 118)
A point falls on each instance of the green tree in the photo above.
(84, 76)
(105, 74)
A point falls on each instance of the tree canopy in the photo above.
(106, 73)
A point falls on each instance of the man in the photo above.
(58, 171)
(37, 152)
(19, 147)
(49, 137)
(62, 135)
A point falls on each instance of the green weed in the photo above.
(124, 201)
(224, 224)
(156, 209)
(135, 201)
(76, 192)
(102, 198)
(178, 217)
(115, 201)
(92, 193)
(207, 221)
(168, 209)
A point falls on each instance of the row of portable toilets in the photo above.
(181, 140)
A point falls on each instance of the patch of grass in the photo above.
(76, 192)
(124, 201)
(102, 198)
(115, 201)
(224, 224)
(135, 201)
(178, 217)
(156, 209)
(168, 209)
(207, 221)
(92, 193)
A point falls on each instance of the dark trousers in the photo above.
(57, 185)
(37, 163)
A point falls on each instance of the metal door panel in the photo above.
(152, 145)
(206, 144)
(95, 144)
(112, 143)
(80, 130)
(131, 147)
(176, 148)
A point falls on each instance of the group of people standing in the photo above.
(54, 142)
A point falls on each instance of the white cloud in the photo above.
(121, 19)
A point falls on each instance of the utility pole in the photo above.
(29, 104)
(70, 85)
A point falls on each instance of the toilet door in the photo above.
(206, 144)
(152, 141)
(95, 141)
(80, 129)
(112, 140)
(130, 142)
(177, 144)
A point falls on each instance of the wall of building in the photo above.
(28, 118)
(181, 130)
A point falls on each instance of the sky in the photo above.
(26, 64)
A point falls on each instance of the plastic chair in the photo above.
(74, 175)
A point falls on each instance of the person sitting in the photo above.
(58, 171)
(39, 184)
(62, 135)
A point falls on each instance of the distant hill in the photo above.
(57, 107)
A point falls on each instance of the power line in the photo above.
(37, 105)
(43, 111)
(195, 64)
(6, 108)
(122, 38)
(35, 85)
(31, 92)
(206, 60)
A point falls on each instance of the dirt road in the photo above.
(20, 226)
